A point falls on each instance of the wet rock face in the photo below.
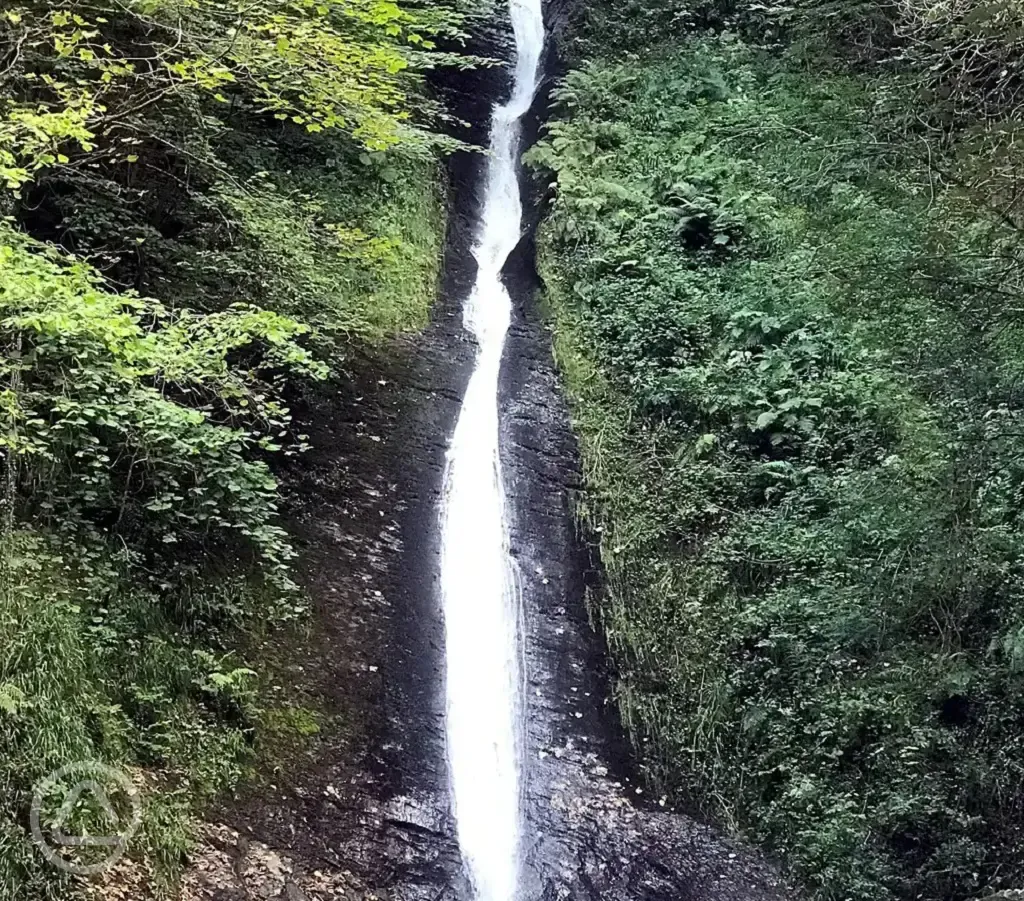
(365, 813)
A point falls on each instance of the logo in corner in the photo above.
(83, 816)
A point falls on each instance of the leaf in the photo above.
(12, 699)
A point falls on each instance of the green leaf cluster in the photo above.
(121, 412)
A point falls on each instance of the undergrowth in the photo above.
(93, 668)
(795, 380)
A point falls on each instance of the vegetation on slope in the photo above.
(784, 276)
(204, 202)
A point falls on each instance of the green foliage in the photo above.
(794, 369)
(94, 670)
(351, 244)
(127, 416)
(86, 76)
(202, 203)
(211, 153)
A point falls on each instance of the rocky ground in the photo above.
(364, 813)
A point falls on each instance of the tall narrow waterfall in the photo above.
(481, 602)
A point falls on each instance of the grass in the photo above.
(349, 243)
(409, 213)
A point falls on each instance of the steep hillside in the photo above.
(783, 260)
(209, 207)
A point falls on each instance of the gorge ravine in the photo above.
(368, 813)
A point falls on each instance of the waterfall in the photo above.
(479, 593)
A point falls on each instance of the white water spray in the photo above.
(481, 602)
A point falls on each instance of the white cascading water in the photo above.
(480, 598)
